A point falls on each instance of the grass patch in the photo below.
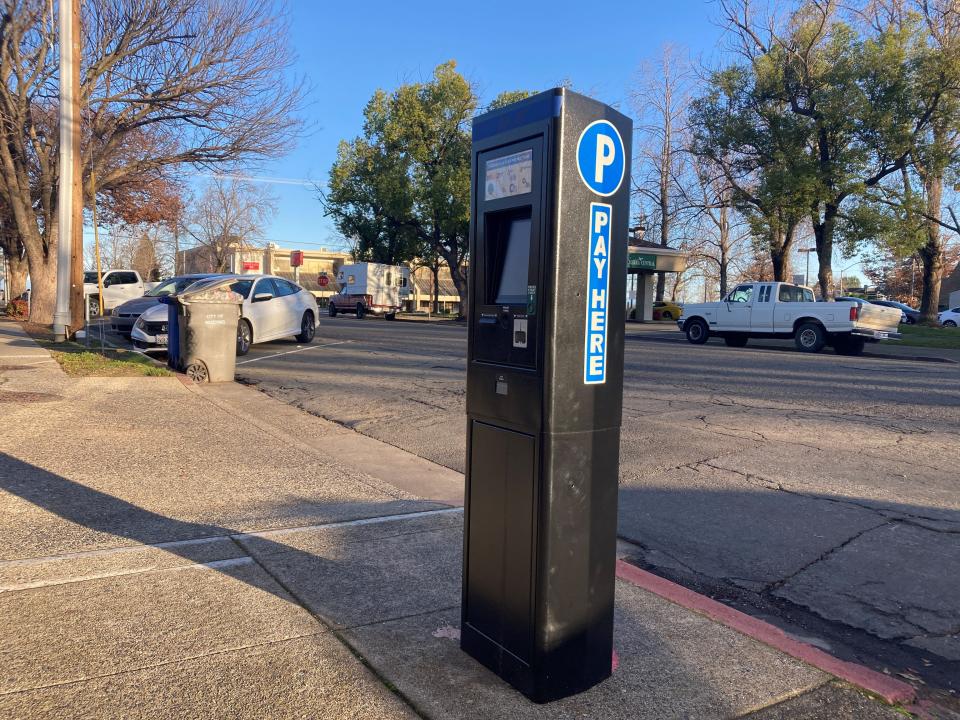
(931, 337)
(78, 360)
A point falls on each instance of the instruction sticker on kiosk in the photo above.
(598, 295)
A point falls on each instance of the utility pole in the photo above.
(69, 311)
(806, 273)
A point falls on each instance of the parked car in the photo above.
(909, 315)
(666, 310)
(125, 315)
(118, 287)
(782, 310)
(272, 308)
(950, 318)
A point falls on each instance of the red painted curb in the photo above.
(891, 690)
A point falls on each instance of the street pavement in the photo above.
(819, 492)
(206, 552)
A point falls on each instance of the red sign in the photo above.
(323, 280)
(296, 258)
(251, 265)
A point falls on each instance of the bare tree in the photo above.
(661, 102)
(722, 232)
(229, 216)
(164, 83)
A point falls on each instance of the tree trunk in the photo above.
(823, 237)
(724, 229)
(781, 246)
(931, 254)
(16, 265)
(457, 272)
(43, 281)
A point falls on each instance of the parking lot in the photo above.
(816, 491)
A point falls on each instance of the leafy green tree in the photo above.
(761, 150)
(859, 99)
(402, 190)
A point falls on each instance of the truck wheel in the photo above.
(736, 340)
(244, 337)
(810, 337)
(849, 345)
(307, 329)
(359, 311)
(332, 310)
(391, 316)
(697, 332)
(93, 302)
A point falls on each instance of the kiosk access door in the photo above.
(544, 390)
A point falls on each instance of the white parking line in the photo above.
(288, 352)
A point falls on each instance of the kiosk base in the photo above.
(553, 679)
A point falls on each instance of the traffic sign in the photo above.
(600, 157)
(323, 280)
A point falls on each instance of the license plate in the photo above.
(882, 335)
(161, 339)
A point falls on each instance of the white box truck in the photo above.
(370, 288)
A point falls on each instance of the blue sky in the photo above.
(347, 50)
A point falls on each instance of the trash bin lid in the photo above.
(214, 292)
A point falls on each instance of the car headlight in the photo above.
(140, 324)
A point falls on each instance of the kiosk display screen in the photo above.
(509, 175)
(514, 272)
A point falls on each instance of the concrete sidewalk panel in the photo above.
(190, 471)
(361, 574)
(672, 664)
(310, 677)
(828, 702)
(56, 570)
(387, 463)
(75, 631)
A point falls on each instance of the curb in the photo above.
(893, 691)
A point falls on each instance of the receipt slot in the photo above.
(548, 252)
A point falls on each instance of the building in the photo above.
(272, 260)
(421, 291)
(644, 261)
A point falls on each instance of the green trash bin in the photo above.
(207, 321)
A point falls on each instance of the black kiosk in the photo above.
(548, 253)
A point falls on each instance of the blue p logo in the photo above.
(600, 157)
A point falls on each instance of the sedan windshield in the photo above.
(172, 286)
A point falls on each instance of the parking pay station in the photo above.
(548, 252)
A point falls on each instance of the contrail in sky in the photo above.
(258, 178)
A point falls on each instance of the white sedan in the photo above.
(272, 308)
(950, 318)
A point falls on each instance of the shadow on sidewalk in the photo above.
(291, 574)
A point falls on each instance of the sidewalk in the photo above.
(208, 552)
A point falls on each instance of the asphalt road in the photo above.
(820, 492)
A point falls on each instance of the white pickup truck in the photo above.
(118, 287)
(782, 310)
